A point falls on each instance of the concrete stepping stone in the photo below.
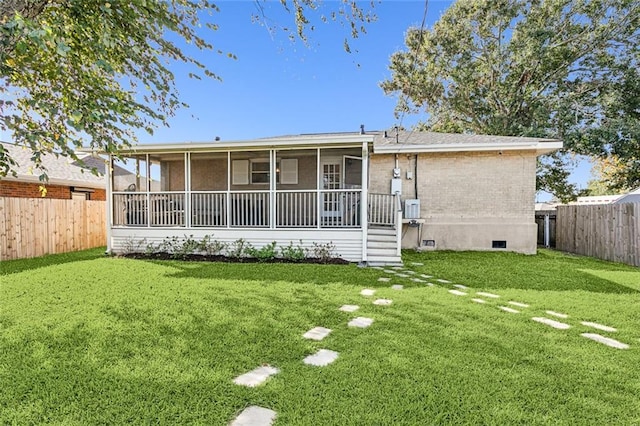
(388, 271)
(256, 377)
(430, 284)
(552, 323)
(383, 302)
(557, 314)
(444, 281)
(367, 292)
(349, 308)
(479, 300)
(402, 275)
(489, 295)
(599, 326)
(410, 272)
(398, 268)
(397, 287)
(458, 292)
(508, 309)
(460, 286)
(605, 340)
(417, 263)
(254, 416)
(379, 268)
(518, 304)
(317, 333)
(418, 280)
(360, 322)
(426, 276)
(321, 358)
(384, 279)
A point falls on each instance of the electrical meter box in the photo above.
(396, 186)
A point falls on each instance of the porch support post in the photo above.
(228, 203)
(187, 190)
(109, 200)
(319, 187)
(272, 188)
(364, 199)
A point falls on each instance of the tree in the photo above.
(565, 69)
(603, 173)
(74, 71)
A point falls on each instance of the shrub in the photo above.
(211, 247)
(239, 248)
(294, 254)
(265, 253)
(323, 252)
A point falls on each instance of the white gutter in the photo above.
(270, 143)
(540, 147)
(55, 181)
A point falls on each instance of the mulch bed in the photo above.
(219, 258)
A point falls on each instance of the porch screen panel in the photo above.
(208, 209)
(129, 183)
(167, 185)
(296, 188)
(209, 171)
(296, 209)
(249, 209)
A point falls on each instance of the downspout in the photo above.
(109, 201)
(364, 201)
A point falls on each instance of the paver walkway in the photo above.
(254, 416)
(605, 340)
(256, 376)
(317, 333)
(552, 323)
(321, 358)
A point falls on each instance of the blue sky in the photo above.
(277, 87)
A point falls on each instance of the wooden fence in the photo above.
(606, 231)
(31, 227)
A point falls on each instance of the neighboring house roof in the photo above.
(407, 142)
(631, 197)
(595, 199)
(416, 142)
(61, 170)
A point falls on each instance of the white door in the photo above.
(331, 201)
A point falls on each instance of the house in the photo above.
(630, 197)
(367, 193)
(67, 179)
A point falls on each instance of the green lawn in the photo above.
(88, 339)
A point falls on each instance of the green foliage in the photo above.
(293, 253)
(239, 248)
(264, 253)
(323, 252)
(93, 71)
(212, 247)
(88, 339)
(559, 69)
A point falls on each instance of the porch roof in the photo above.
(418, 142)
(286, 142)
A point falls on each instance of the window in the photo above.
(260, 171)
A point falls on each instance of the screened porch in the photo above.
(270, 189)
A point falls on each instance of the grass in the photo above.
(88, 339)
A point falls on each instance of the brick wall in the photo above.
(467, 200)
(10, 188)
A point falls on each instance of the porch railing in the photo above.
(247, 209)
(297, 209)
(382, 209)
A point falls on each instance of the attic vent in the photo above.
(498, 244)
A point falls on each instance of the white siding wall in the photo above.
(348, 242)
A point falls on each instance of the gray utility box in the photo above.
(412, 209)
